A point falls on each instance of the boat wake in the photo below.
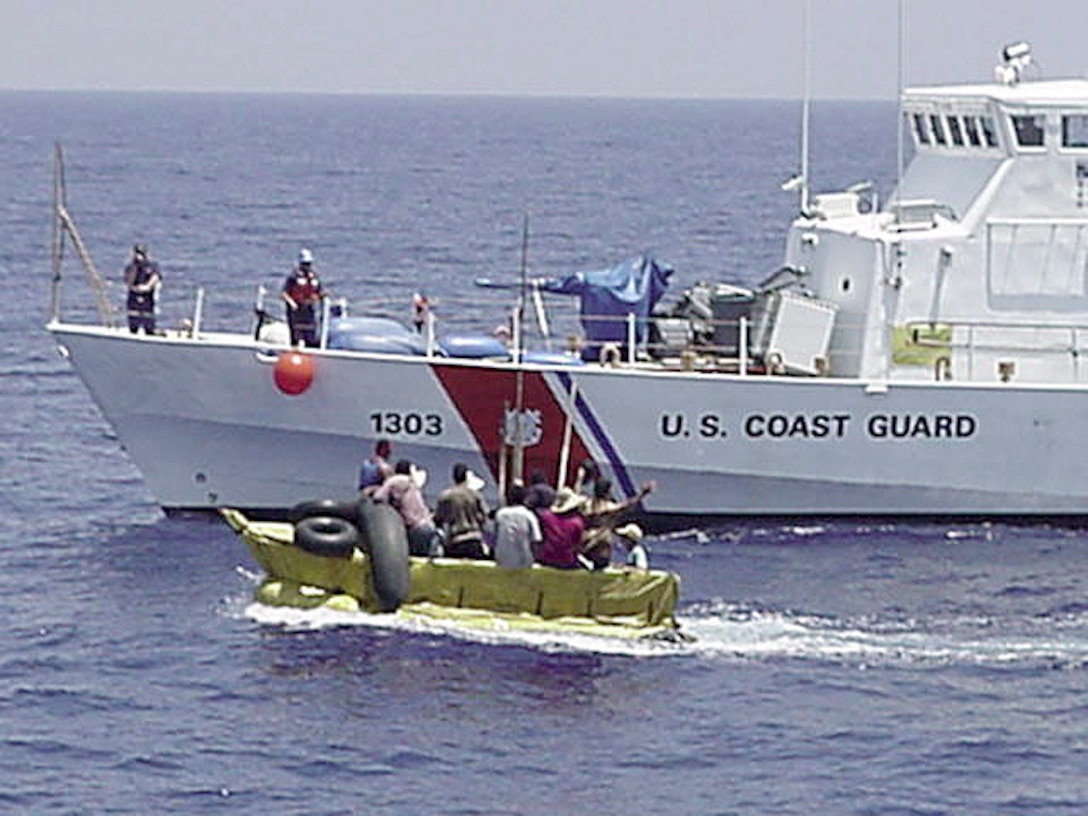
(727, 630)
(323, 618)
(739, 631)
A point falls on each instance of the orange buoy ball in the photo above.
(294, 373)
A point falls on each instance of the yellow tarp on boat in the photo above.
(629, 598)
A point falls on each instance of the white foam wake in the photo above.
(742, 632)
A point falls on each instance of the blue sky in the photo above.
(642, 48)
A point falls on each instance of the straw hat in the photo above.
(567, 500)
(632, 532)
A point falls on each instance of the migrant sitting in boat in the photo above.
(603, 513)
(404, 492)
(376, 469)
(461, 514)
(539, 493)
(586, 478)
(517, 531)
(562, 529)
(630, 537)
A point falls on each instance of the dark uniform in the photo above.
(143, 278)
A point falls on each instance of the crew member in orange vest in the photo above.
(302, 292)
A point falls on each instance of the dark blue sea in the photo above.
(842, 667)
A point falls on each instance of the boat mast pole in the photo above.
(58, 233)
(806, 94)
(568, 427)
(524, 286)
(519, 376)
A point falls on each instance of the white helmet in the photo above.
(305, 256)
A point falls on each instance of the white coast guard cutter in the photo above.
(923, 357)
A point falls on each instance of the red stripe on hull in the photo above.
(481, 395)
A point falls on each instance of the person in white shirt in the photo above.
(631, 537)
(517, 531)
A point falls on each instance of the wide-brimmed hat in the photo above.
(632, 532)
(473, 481)
(567, 500)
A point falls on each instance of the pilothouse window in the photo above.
(1075, 130)
(971, 127)
(988, 131)
(954, 130)
(938, 129)
(920, 129)
(1029, 130)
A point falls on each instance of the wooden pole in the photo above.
(105, 310)
(63, 223)
(564, 452)
(519, 376)
(503, 453)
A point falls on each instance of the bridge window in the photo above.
(954, 130)
(970, 125)
(920, 131)
(1029, 130)
(1075, 130)
(967, 130)
(938, 129)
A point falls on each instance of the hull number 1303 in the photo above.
(395, 423)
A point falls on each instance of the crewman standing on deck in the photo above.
(421, 311)
(302, 292)
(143, 279)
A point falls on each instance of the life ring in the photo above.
(610, 355)
(346, 509)
(386, 544)
(327, 536)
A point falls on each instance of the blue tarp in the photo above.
(609, 295)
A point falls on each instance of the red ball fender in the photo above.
(294, 373)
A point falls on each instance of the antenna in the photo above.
(899, 123)
(806, 94)
(58, 231)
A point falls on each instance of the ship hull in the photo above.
(205, 423)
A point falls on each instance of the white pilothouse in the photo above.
(920, 357)
(981, 256)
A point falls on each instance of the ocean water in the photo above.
(843, 667)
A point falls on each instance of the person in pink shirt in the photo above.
(562, 527)
(403, 492)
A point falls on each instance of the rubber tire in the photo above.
(347, 509)
(328, 536)
(386, 543)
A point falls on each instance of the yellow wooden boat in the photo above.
(614, 602)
